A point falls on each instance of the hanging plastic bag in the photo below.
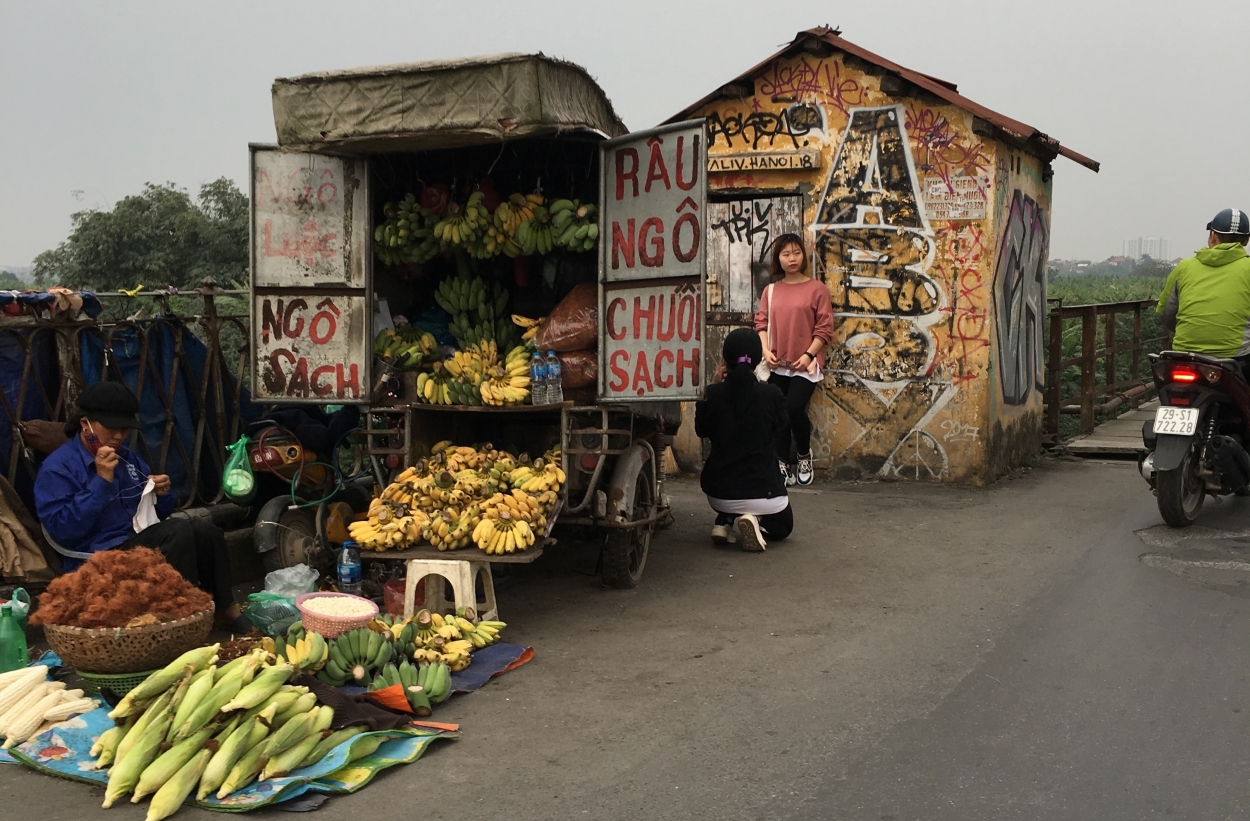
(292, 582)
(573, 325)
(20, 604)
(237, 480)
(271, 613)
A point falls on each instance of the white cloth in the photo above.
(756, 507)
(146, 516)
(818, 377)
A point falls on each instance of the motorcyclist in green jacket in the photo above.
(1206, 299)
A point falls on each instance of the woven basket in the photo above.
(128, 649)
(331, 627)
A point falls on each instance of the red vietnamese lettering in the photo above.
(642, 375)
(660, 356)
(319, 388)
(692, 365)
(693, 222)
(298, 384)
(352, 381)
(269, 320)
(649, 314)
(293, 331)
(623, 244)
(687, 318)
(327, 315)
(660, 333)
(274, 378)
(622, 175)
(613, 306)
(655, 258)
(656, 170)
(328, 190)
(621, 376)
(694, 164)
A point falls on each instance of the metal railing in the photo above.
(58, 354)
(1108, 367)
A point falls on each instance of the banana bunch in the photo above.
(307, 654)
(575, 225)
(407, 234)
(389, 525)
(531, 326)
(432, 387)
(498, 533)
(533, 509)
(355, 656)
(405, 348)
(406, 676)
(459, 294)
(450, 529)
(518, 208)
(503, 389)
(467, 365)
(482, 634)
(193, 723)
(535, 235)
(538, 477)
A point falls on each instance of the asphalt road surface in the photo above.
(912, 652)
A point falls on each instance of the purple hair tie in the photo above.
(745, 359)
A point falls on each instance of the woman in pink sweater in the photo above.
(795, 323)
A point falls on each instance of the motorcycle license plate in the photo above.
(1178, 421)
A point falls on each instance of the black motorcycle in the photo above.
(1196, 444)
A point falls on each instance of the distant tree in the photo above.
(10, 281)
(1149, 267)
(159, 237)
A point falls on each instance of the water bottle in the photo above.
(538, 380)
(12, 641)
(555, 379)
(349, 569)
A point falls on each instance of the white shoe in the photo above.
(752, 536)
(787, 477)
(806, 474)
(723, 534)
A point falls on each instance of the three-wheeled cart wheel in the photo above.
(625, 548)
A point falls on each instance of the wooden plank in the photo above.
(717, 257)
(468, 554)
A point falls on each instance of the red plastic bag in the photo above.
(393, 596)
(573, 325)
(579, 369)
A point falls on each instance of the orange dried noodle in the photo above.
(115, 586)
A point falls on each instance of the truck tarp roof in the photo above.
(442, 104)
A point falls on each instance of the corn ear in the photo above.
(208, 708)
(186, 703)
(29, 722)
(300, 706)
(108, 741)
(160, 681)
(244, 771)
(167, 764)
(366, 746)
(329, 742)
(291, 733)
(289, 761)
(159, 709)
(245, 737)
(64, 709)
(174, 791)
(260, 689)
(125, 773)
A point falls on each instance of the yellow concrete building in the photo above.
(927, 216)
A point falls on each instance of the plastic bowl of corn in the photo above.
(331, 614)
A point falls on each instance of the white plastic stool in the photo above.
(463, 577)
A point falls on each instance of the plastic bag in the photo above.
(237, 480)
(292, 581)
(579, 369)
(573, 325)
(20, 604)
(271, 613)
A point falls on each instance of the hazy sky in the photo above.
(98, 98)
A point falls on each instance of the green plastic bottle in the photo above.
(12, 641)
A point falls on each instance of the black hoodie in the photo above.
(743, 462)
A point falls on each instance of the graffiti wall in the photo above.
(932, 240)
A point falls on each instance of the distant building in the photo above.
(1153, 247)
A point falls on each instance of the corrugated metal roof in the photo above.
(939, 88)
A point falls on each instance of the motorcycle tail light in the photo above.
(1179, 400)
(1185, 376)
(270, 456)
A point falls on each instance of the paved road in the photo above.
(871, 667)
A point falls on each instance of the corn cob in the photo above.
(125, 773)
(185, 703)
(174, 791)
(29, 722)
(160, 681)
(288, 761)
(167, 765)
(261, 689)
(328, 743)
(22, 706)
(244, 738)
(65, 709)
(366, 746)
(161, 707)
(291, 733)
(300, 706)
(107, 743)
(244, 771)
(223, 691)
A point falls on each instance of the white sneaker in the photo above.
(787, 476)
(806, 473)
(723, 534)
(752, 536)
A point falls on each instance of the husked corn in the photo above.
(340, 606)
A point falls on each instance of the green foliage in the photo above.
(157, 238)
(10, 281)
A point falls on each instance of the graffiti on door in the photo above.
(1020, 297)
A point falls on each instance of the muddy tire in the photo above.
(1180, 492)
(625, 551)
(297, 531)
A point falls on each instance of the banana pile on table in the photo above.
(465, 495)
(408, 349)
(575, 225)
(196, 727)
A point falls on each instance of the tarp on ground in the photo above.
(440, 104)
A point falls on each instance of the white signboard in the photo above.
(652, 264)
(956, 198)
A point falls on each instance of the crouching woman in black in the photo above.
(742, 417)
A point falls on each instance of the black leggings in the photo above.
(798, 392)
(776, 526)
(197, 550)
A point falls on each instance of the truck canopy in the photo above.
(441, 104)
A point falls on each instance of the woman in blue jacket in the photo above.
(87, 496)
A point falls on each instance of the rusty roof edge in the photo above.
(939, 88)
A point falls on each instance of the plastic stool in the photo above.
(462, 575)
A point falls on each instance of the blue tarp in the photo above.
(45, 371)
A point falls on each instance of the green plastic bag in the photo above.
(237, 480)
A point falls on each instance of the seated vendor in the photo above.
(87, 495)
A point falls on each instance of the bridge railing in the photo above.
(1095, 361)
